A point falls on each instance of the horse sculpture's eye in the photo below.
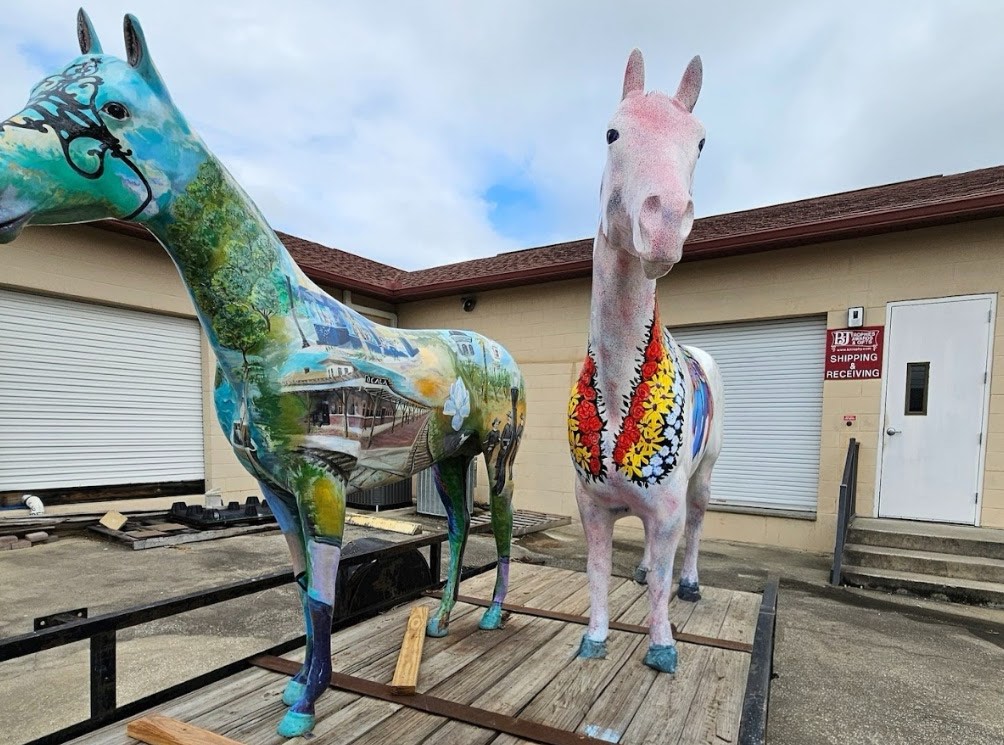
(612, 135)
(115, 110)
(700, 146)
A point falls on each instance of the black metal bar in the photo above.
(103, 674)
(436, 563)
(19, 646)
(753, 721)
(160, 697)
(845, 509)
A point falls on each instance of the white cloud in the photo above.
(377, 127)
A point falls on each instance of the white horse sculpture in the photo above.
(645, 416)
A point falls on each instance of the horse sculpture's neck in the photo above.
(623, 308)
(239, 275)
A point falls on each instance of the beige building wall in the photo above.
(98, 266)
(545, 327)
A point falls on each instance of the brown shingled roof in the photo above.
(936, 200)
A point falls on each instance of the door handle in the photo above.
(892, 431)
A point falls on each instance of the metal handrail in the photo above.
(846, 509)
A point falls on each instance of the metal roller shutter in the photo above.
(96, 396)
(773, 375)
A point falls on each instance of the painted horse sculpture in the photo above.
(316, 399)
(645, 416)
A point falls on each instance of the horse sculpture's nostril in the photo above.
(652, 204)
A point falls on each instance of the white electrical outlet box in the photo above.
(855, 317)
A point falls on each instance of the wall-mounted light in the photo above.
(468, 303)
(855, 317)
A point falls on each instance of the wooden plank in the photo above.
(714, 712)
(479, 663)
(512, 693)
(609, 717)
(196, 536)
(709, 612)
(167, 527)
(113, 520)
(572, 692)
(740, 620)
(384, 523)
(160, 730)
(537, 731)
(410, 657)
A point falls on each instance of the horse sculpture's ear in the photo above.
(89, 43)
(634, 75)
(138, 55)
(690, 85)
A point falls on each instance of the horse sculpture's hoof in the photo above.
(591, 650)
(492, 619)
(436, 628)
(295, 724)
(662, 658)
(691, 592)
(294, 689)
(641, 575)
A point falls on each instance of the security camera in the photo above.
(469, 302)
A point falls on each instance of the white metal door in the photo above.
(773, 376)
(937, 374)
(92, 395)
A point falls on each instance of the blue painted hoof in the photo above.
(294, 689)
(492, 619)
(641, 575)
(591, 650)
(295, 724)
(662, 658)
(436, 628)
(689, 592)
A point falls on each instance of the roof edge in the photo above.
(856, 225)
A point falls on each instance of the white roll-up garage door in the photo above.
(773, 374)
(92, 395)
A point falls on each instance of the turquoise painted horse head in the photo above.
(101, 138)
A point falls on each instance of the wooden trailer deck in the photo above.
(527, 670)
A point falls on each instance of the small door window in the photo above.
(917, 383)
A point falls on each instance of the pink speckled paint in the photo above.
(644, 431)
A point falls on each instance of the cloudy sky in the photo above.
(422, 133)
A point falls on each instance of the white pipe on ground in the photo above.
(34, 504)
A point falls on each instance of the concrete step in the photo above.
(949, 566)
(958, 590)
(939, 538)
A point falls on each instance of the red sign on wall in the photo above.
(854, 354)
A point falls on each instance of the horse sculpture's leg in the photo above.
(598, 524)
(286, 515)
(501, 507)
(450, 476)
(321, 500)
(698, 494)
(641, 571)
(663, 527)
